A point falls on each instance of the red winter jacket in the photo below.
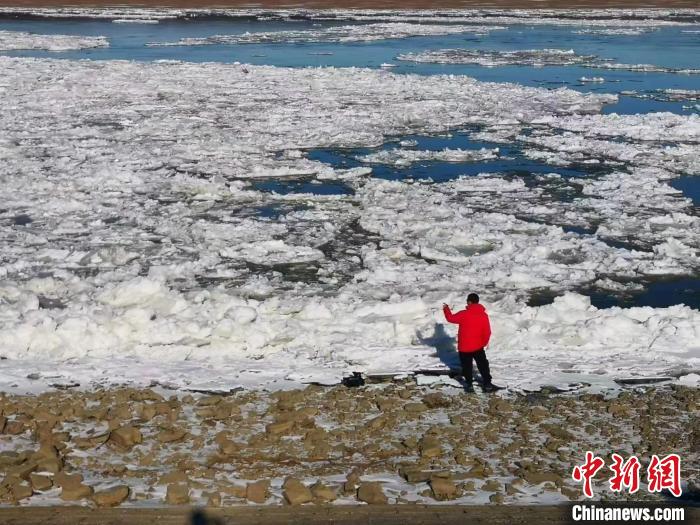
(474, 327)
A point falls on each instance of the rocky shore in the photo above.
(383, 443)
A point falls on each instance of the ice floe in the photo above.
(340, 34)
(530, 57)
(645, 68)
(677, 95)
(19, 40)
(135, 21)
(623, 31)
(404, 157)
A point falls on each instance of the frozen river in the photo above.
(222, 191)
(673, 48)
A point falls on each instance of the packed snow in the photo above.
(19, 41)
(140, 250)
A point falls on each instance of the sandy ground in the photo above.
(378, 515)
(363, 4)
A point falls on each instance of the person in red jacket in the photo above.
(473, 335)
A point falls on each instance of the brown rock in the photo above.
(237, 491)
(415, 408)
(352, 482)
(464, 460)
(572, 494)
(53, 465)
(23, 470)
(538, 412)
(280, 427)
(511, 489)
(371, 492)
(414, 475)
(125, 437)
(618, 409)
(225, 411)
(40, 482)
(228, 447)
(377, 423)
(174, 476)
(469, 486)
(491, 486)
(430, 447)
(209, 401)
(75, 492)
(147, 412)
(111, 497)
(295, 492)
(64, 479)
(92, 441)
(535, 478)
(323, 493)
(477, 471)
(10, 458)
(257, 492)
(387, 404)
(46, 451)
(13, 428)
(559, 432)
(436, 400)
(171, 436)
(177, 494)
(443, 489)
(21, 491)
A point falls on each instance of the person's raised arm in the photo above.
(451, 318)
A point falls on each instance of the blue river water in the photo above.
(670, 47)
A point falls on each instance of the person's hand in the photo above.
(445, 305)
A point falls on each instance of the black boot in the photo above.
(468, 388)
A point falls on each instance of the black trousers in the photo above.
(481, 363)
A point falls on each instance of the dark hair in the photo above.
(473, 298)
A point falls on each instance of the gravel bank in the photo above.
(384, 443)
